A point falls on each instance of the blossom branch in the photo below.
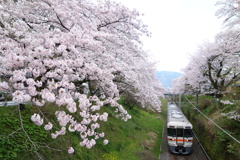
(22, 127)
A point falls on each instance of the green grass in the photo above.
(138, 138)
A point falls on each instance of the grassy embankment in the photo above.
(138, 138)
(218, 145)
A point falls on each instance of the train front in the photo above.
(180, 138)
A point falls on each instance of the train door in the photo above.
(180, 137)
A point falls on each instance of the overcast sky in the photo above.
(178, 27)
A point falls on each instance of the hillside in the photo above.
(166, 78)
(138, 138)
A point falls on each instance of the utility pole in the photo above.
(197, 106)
(197, 99)
(180, 101)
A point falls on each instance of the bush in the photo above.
(203, 104)
(14, 141)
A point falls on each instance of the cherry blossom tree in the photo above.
(179, 85)
(229, 10)
(193, 78)
(80, 55)
(215, 66)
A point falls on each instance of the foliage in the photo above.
(109, 156)
(204, 104)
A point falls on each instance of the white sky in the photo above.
(178, 27)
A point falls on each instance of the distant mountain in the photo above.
(166, 78)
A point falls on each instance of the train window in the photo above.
(172, 132)
(180, 132)
(187, 133)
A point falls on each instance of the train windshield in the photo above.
(172, 132)
(187, 133)
(179, 132)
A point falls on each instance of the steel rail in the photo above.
(202, 148)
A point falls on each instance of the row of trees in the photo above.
(80, 55)
(215, 65)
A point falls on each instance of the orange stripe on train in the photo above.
(180, 140)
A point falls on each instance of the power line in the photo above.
(213, 121)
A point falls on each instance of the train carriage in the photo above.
(179, 130)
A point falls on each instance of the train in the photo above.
(179, 130)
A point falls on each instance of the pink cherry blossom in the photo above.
(37, 119)
(105, 142)
(54, 135)
(70, 150)
(48, 126)
(4, 86)
(72, 128)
